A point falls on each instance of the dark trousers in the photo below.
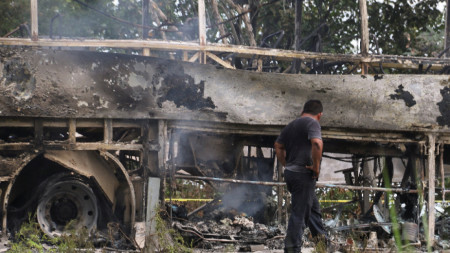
(305, 209)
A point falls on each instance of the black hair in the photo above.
(313, 107)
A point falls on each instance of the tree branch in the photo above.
(218, 19)
(246, 20)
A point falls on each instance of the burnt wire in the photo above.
(151, 27)
(439, 56)
(263, 43)
(378, 52)
(350, 71)
(346, 159)
(242, 14)
(20, 28)
(280, 37)
(59, 25)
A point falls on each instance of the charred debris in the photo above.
(375, 204)
(129, 144)
(115, 142)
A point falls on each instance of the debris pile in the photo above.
(240, 232)
(220, 229)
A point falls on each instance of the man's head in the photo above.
(313, 107)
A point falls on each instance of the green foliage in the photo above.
(320, 245)
(73, 240)
(400, 26)
(30, 238)
(428, 43)
(75, 19)
(334, 23)
(229, 248)
(13, 13)
(168, 239)
(393, 212)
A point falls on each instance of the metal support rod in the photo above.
(447, 28)
(380, 189)
(280, 191)
(151, 213)
(441, 168)
(34, 20)
(72, 131)
(297, 31)
(162, 137)
(202, 28)
(365, 225)
(108, 131)
(162, 156)
(368, 180)
(38, 131)
(203, 207)
(145, 18)
(318, 185)
(145, 21)
(431, 169)
(231, 180)
(364, 33)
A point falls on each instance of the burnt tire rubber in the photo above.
(67, 204)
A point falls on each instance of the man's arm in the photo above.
(281, 153)
(316, 153)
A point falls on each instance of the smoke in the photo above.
(249, 199)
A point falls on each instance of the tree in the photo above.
(74, 18)
(397, 26)
(400, 26)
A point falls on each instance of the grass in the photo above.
(320, 246)
(30, 238)
(169, 240)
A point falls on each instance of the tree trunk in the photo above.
(218, 19)
(248, 24)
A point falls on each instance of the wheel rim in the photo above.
(69, 201)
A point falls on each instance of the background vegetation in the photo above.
(399, 27)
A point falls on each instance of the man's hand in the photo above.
(281, 153)
(316, 153)
(316, 171)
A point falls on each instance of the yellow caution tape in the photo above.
(321, 200)
(208, 200)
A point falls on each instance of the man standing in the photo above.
(299, 150)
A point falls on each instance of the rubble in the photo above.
(228, 126)
(240, 231)
(222, 229)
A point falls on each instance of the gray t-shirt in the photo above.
(296, 138)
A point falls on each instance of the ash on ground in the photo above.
(224, 229)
